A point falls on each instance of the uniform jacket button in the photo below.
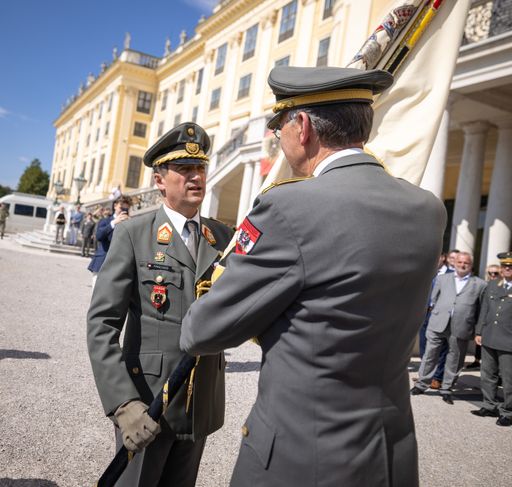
(245, 430)
(135, 370)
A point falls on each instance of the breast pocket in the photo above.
(162, 290)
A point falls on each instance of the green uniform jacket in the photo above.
(495, 321)
(151, 342)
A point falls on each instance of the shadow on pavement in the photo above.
(4, 482)
(7, 353)
(242, 366)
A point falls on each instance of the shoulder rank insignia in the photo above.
(164, 234)
(247, 237)
(208, 235)
(284, 181)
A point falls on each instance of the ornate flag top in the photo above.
(386, 33)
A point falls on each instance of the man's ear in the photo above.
(305, 127)
(157, 177)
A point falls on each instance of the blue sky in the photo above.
(47, 48)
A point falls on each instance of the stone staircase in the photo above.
(39, 239)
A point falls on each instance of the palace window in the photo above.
(107, 127)
(328, 5)
(144, 102)
(181, 91)
(164, 99)
(133, 176)
(199, 81)
(139, 129)
(194, 114)
(91, 172)
(215, 100)
(288, 16)
(177, 119)
(323, 52)
(244, 86)
(100, 169)
(221, 58)
(284, 61)
(160, 129)
(251, 37)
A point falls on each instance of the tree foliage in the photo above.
(34, 180)
(5, 190)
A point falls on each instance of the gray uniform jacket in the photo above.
(334, 284)
(463, 308)
(151, 341)
(495, 320)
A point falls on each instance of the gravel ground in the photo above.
(53, 432)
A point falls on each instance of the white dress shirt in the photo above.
(178, 221)
(460, 282)
(333, 157)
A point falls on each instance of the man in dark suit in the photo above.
(149, 279)
(494, 334)
(104, 231)
(331, 273)
(455, 302)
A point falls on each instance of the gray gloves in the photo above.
(137, 428)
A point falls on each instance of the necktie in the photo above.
(192, 240)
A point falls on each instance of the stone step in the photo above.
(44, 241)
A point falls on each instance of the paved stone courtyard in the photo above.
(53, 432)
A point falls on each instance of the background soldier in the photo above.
(332, 274)
(4, 214)
(494, 334)
(149, 277)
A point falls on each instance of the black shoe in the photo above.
(502, 421)
(483, 412)
(416, 391)
(474, 366)
(447, 398)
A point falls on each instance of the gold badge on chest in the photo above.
(208, 235)
(164, 234)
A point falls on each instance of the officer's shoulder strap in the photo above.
(284, 181)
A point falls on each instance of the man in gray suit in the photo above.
(331, 274)
(494, 334)
(455, 303)
(149, 279)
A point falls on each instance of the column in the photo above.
(305, 31)
(337, 35)
(469, 186)
(245, 191)
(229, 89)
(257, 181)
(259, 82)
(210, 205)
(498, 220)
(204, 96)
(433, 177)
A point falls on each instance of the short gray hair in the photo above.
(340, 124)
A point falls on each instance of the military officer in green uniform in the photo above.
(4, 214)
(494, 334)
(149, 279)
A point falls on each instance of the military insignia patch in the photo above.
(159, 257)
(208, 235)
(164, 234)
(158, 296)
(247, 237)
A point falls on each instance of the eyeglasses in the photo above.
(493, 274)
(279, 128)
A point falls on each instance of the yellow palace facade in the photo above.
(217, 78)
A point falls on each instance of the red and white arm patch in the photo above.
(247, 237)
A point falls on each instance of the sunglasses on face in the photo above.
(493, 274)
